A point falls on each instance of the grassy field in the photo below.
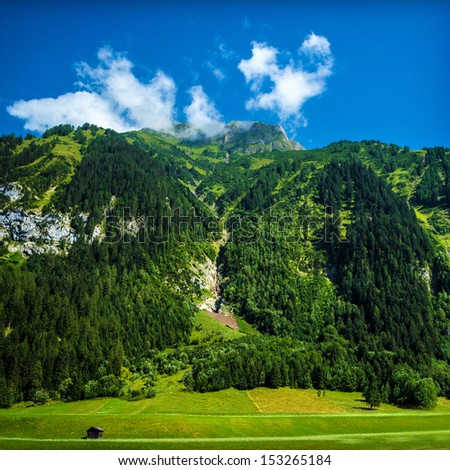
(229, 419)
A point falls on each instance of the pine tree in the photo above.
(372, 394)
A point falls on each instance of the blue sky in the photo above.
(325, 70)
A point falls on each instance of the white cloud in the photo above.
(225, 51)
(115, 98)
(73, 108)
(318, 50)
(262, 63)
(202, 115)
(216, 71)
(315, 45)
(290, 86)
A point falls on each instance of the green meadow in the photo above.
(229, 419)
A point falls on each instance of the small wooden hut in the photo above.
(94, 432)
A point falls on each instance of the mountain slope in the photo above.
(112, 243)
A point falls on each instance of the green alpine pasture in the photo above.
(229, 419)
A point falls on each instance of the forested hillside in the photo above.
(116, 248)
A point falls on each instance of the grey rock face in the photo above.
(13, 191)
(25, 227)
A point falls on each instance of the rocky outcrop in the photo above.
(11, 191)
(205, 275)
(36, 234)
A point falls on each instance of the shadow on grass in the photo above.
(400, 407)
(363, 408)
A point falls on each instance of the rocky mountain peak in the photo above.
(245, 137)
(252, 137)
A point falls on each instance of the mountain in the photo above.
(243, 260)
(241, 137)
(254, 137)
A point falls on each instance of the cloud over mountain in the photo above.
(285, 89)
(112, 97)
(202, 114)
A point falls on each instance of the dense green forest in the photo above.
(338, 257)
